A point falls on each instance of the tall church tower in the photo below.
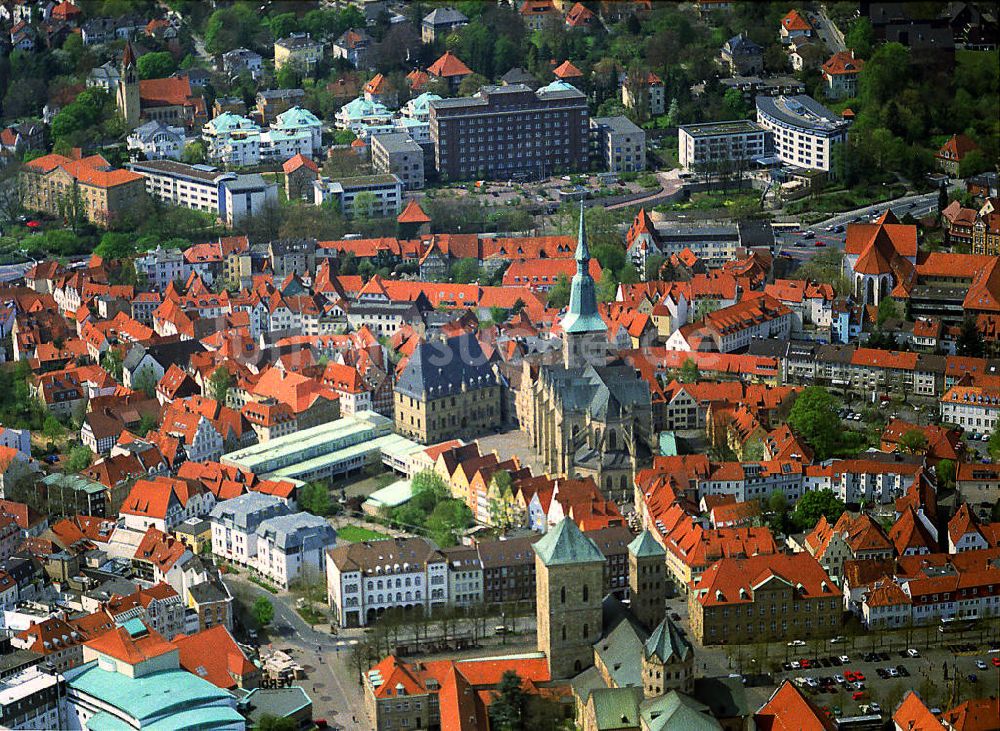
(585, 339)
(569, 584)
(128, 88)
(647, 588)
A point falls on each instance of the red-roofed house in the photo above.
(535, 13)
(840, 74)
(164, 502)
(300, 173)
(789, 710)
(949, 157)
(793, 26)
(450, 68)
(580, 16)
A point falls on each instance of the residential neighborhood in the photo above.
(529, 365)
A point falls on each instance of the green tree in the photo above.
(232, 27)
(993, 445)
(913, 441)
(79, 459)
(465, 271)
(973, 163)
(777, 506)
(314, 497)
(146, 424)
(263, 611)
(654, 263)
(269, 722)
(945, 471)
(115, 246)
(969, 341)
(447, 521)
(157, 65)
(813, 505)
(219, 384)
(510, 704)
(888, 309)
(111, 361)
(364, 204)
(471, 84)
(689, 372)
(194, 153)
(884, 74)
(814, 418)
(861, 37)
(558, 295)
(282, 25)
(52, 428)
(145, 381)
(736, 107)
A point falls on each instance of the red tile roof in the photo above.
(413, 213)
(566, 70)
(447, 66)
(120, 644)
(789, 710)
(794, 21)
(297, 161)
(213, 654)
(843, 63)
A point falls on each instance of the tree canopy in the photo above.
(813, 505)
(814, 418)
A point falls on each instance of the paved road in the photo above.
(827, 30)
(916, 205)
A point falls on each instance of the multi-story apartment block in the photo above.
(232, 140)
(296, 122)
(364, 580)
(32, 698)
(239, 60)
(735, 143)
(618, 144)
(235, 523)
(366, 195)
(298, 49)
(503, 131)
(974, 408)
(290, 547)
(805, 132)
(654, 89)
(230, 196)
(162, 266)
(465, 576)
(764, 599)
(447, 390)
(397, 154)
(87, 188)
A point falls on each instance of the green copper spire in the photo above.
(582, 317)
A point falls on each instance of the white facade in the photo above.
(235, 522)
(162, 266)
(293, 546)
(157, 141)
(699, 145)
(805, 132)
(32, 699)
(972, 408)
(245, 195)
(387, 192)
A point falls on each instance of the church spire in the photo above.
(582, 316)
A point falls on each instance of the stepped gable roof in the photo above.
(566, 544)
(447, 66)
(667, 643)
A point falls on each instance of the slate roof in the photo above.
(644, 545)
(566, 544)
(440, 368)
(668, 643)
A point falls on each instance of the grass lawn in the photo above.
(356, 534)
(844, 200)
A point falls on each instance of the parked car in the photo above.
(797, 643)
(980, 664)
(912, 653)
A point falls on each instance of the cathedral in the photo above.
(588, 416)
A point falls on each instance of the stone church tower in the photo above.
(569, 581)
(667, 662)
(585, 340)
(128, 88)
(647, 587)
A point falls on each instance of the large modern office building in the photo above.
(511, 131)
(805, 132)
(702, 145)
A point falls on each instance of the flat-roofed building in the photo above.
(31, 699)
(230, 196)
(367, 195)
(397, 154)
(504, 131)
(736, 141)
(805, 132)
(618, 143)
(340, 447)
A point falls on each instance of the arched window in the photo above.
(562, 595)
(612, 440)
